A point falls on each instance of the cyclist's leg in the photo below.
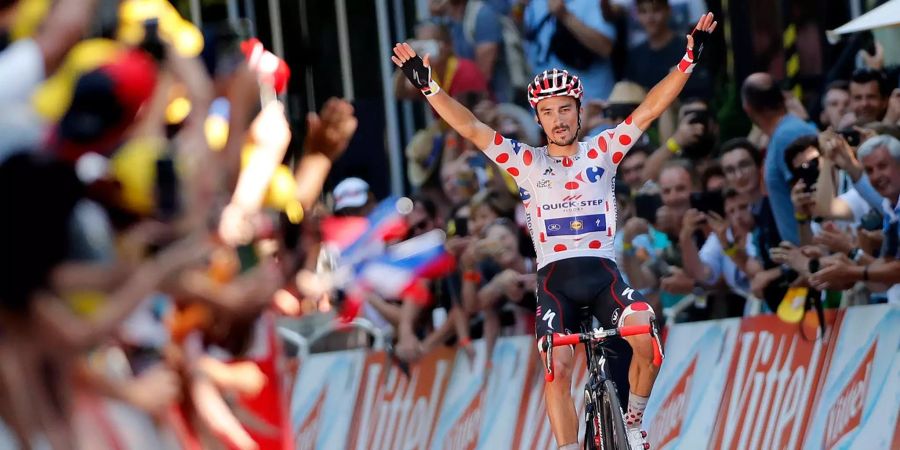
(620, 305)
(557, 314)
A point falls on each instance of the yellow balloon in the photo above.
(282, 188)
(134, 166)
(29, 16)
(216, 129)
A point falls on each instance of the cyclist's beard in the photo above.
(568, 141)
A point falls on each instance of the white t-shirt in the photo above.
(21, 70)
(720, 265)
(570, 202)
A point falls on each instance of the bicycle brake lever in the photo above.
(547, 343)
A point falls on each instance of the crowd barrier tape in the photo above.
(682, 410)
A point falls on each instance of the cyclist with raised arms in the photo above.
(567, 188)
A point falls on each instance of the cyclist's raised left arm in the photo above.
(666, 91)
(418, 71)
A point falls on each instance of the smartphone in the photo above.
(706, 202)
(872, 221)
(700, 116)
(852, 136)
(645, 206)
(809, 173)
(168, 204)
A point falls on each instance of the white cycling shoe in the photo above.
(637, 439)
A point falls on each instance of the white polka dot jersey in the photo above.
(570, 205)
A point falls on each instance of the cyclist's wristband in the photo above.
(687, 62)
(431, 89)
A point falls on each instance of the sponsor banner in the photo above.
(681, 413)
(461, 412)
(323, 398)
(533, 427)
(510, 362)
(394, 411)
(858, 403)
(771, 385)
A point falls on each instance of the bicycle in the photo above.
(604, 417)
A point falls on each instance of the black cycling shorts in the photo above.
(569, 291)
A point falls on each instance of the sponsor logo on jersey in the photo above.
(569, 198)
(568, 226)
(524, 195)
(544, 184)
(516, 146)
(593, 174)
(571, 204)
(549, 171)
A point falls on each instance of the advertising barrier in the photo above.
(396, 411)
(857, 406)
(772, 382)
(681, 413)
(323, 399)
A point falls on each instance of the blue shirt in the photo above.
(778, 175)
(598, 78)
(487, 30)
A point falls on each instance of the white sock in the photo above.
(572, 446)
(635, 414)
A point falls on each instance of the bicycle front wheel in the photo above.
(611, 418)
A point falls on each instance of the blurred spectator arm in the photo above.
(439, 336)
(691, 258)
(242, 92)
(327, 137)
(77, 276)
(827, 203)
(486, 56)
(64, 26)
(389, 311)
(588, 36)
(892, 115)
(639, 277)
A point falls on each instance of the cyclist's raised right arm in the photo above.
(456, 115)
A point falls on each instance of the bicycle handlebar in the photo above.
(551, 340)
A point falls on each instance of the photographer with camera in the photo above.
(694, 139)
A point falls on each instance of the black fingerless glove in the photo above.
(420, 76)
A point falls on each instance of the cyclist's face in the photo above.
(558, 116)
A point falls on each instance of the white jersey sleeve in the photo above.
(516, 158)
(612, 145)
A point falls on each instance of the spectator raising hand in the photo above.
(834, 239)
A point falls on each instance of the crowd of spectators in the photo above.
(150, 226)
(709, 226)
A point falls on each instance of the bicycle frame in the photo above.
(598, 423)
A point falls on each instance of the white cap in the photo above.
(350, 193)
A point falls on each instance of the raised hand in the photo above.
(416, 69)
(697, 39)
(330, 131)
